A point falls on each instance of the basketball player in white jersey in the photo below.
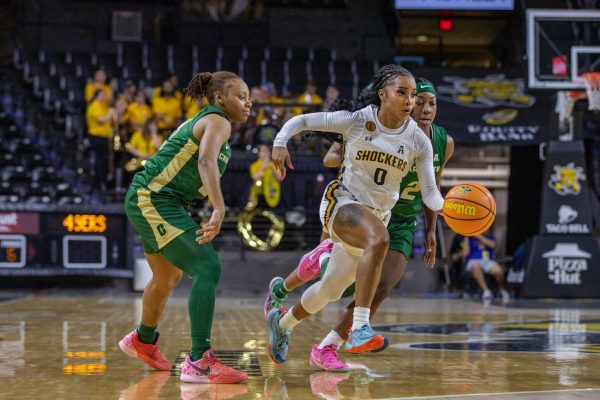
(381, 143)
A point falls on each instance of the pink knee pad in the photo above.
(309, 263)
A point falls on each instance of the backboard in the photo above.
(561, 45)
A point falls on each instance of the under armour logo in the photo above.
(436, 157)
(369, 138)
(401, 150)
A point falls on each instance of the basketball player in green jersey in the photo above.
(401, 229)
(186, 168)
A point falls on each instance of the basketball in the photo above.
(469, 209)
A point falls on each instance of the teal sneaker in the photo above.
(279, 338)
(363, 340)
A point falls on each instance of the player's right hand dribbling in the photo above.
(281, 158)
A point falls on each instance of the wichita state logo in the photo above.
(565, 180)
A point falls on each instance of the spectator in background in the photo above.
(331, 94)
(129, 92)
(456, 258)
(260, 98)
(98, 83)
(275, 114)
(191, 107)
(309, 96)
(167, 107)
(145, 142)
(174, 81)
(479, 256)
(258, 169)
(264, 162)
(100, 118)
(138, 113)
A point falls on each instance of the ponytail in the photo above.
(199, 85)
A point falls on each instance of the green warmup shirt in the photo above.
(159, 196)
(173, 170)
(410, 203)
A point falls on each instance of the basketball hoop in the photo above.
(592, 88)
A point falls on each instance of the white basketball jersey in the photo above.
(376, 158)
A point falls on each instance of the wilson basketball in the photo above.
(469, 209)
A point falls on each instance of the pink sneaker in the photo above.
(148, 353)
(209, 369)
(309, 266)
(327, 359)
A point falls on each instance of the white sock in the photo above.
(361, 317)
(323, 257)
(285, 287)
(288, 321)
(331, 338)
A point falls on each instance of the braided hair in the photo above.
(383, 77)
(206, 84)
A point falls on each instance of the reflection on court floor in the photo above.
(58, 347)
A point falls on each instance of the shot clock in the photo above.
(64, 243)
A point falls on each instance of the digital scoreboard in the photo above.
(60, 241)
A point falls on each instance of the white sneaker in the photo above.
(505, 296)
(487, 295)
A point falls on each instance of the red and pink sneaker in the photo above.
(309, 266)
(327, 359)
(209, 369)
(147, 352)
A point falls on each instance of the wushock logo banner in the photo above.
(496, 108)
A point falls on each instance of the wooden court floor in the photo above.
(65, 347)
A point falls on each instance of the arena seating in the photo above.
(50, 86)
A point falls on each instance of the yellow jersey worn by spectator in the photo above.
(138, 113)
(145, 145)
(167, 107)
(156, 92)
(168, 112)
(99, 116)
(309, 96)
(98, 83)
(145, 142)
(192, 107)
(266, 180)
(129, 92)
(142, 145)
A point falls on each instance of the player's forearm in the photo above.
(211, 180)
(429, 189)
(430, 220)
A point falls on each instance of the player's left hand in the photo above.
(430, 249)
(281, 157)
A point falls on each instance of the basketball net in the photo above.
(592, 88)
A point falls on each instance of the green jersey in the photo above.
(410, 203)
(173, 170)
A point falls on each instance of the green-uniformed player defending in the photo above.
(186, 168)
(401, 229)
